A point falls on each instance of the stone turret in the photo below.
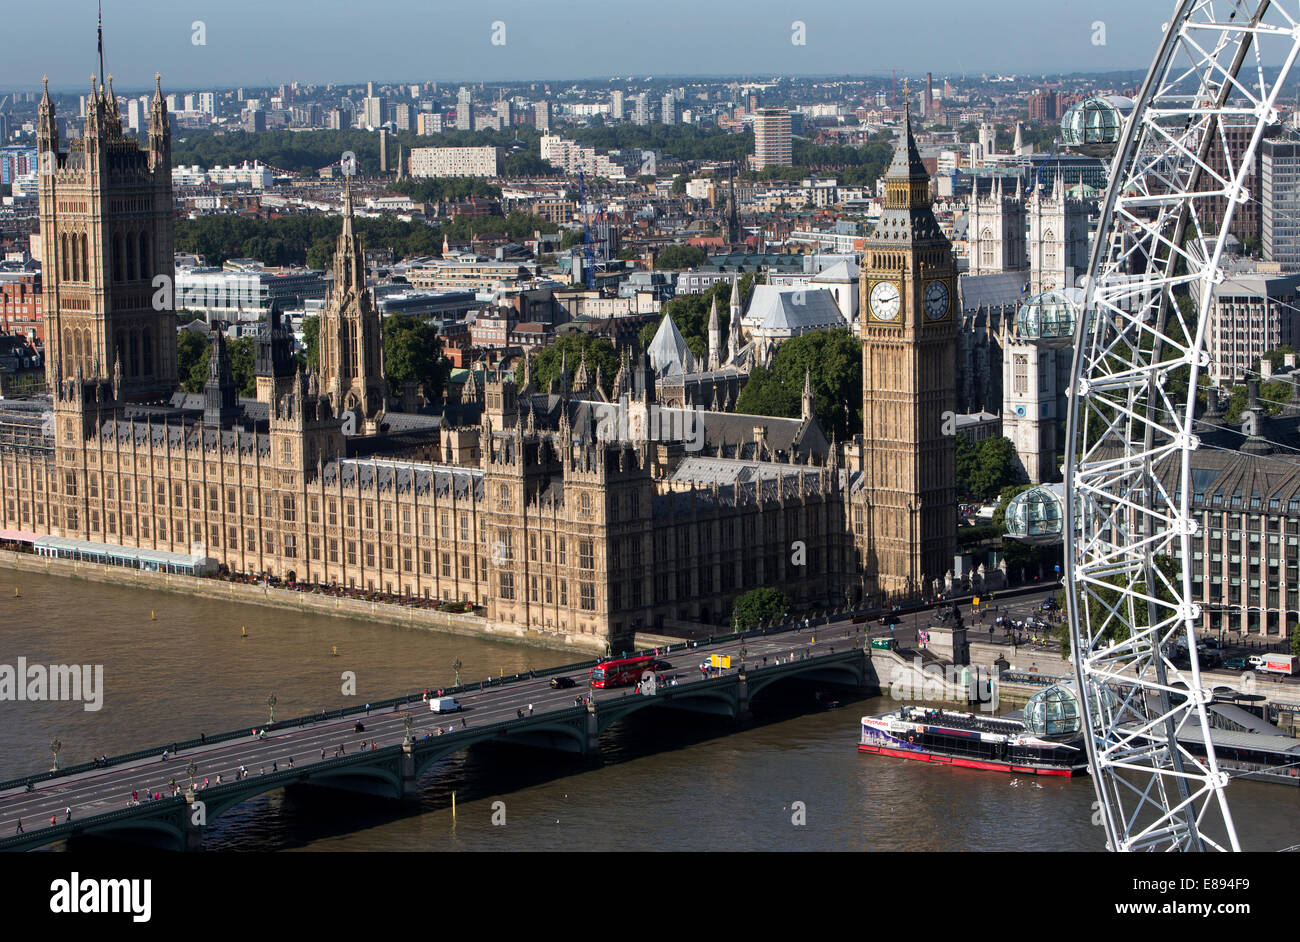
(219, 405)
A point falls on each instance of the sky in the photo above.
(267, 42)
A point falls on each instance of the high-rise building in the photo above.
(207, 102)
(616, 105)
(428, 122)
(505, 113)
(373, 112)
(1280, 202)
(641, 109)
(907, 504)
(403, 117)
(1235, 135)
(464, 110)
(542, 116)
(455, 161)
(668, 109)
(101, 320)
(1042, 106)
(772, 138)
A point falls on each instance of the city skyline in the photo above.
(239, 43)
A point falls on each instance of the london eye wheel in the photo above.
(1176, 178)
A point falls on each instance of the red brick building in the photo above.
(20, 304)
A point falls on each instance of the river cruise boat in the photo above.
(971, 741)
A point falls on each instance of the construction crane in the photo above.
(588, 256)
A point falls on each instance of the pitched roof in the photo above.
(668, 351)
(775, 308)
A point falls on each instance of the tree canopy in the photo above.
(834, 359)
(985, 467)
(413, 351)
(194, 351)
(570, 348)
(680, 256)
(758, 605)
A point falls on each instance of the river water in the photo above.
(790, 778)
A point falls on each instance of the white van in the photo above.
(444, 705)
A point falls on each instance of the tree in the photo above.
(758, 605)
(311, 341)
(192, 360)
(570, 349)
(194, 352)
(680, 256)
(679, 183)
(690, 313)
(834, 359)
(413, 351)
(1004, 498)
(995, 467)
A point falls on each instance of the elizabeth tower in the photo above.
(909, 389)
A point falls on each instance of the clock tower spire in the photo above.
(909, 394)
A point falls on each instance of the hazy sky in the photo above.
(266, 42)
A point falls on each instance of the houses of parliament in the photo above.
(512, 499)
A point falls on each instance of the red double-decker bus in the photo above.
(620, 672)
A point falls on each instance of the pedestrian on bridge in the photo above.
(530, 709)
(68, 811)
(20, 826)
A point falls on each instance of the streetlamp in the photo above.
(456, 665)
(55, 746)
(190, 770)
(270, 702)
(406, 722)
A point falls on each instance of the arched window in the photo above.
(90, 351)
(986, 248)
(85, 258)
(117, 257)
(145, 267)
(68, 348)
(130, 259)
(135, 353)
(63, 255)
(146, 349)
(76, 263)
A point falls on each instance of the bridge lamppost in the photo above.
(270, 702)
(55, 746)
(407, 723)
(456, 665)
(191, 770)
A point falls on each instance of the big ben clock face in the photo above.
(936, 300)
(884, 301)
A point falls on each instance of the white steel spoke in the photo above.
(1130, 440)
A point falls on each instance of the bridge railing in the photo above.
(173, 748)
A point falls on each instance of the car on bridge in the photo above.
(444, 705)
(562, 683)
(1234, 663)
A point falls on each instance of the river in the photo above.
(789, 778)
